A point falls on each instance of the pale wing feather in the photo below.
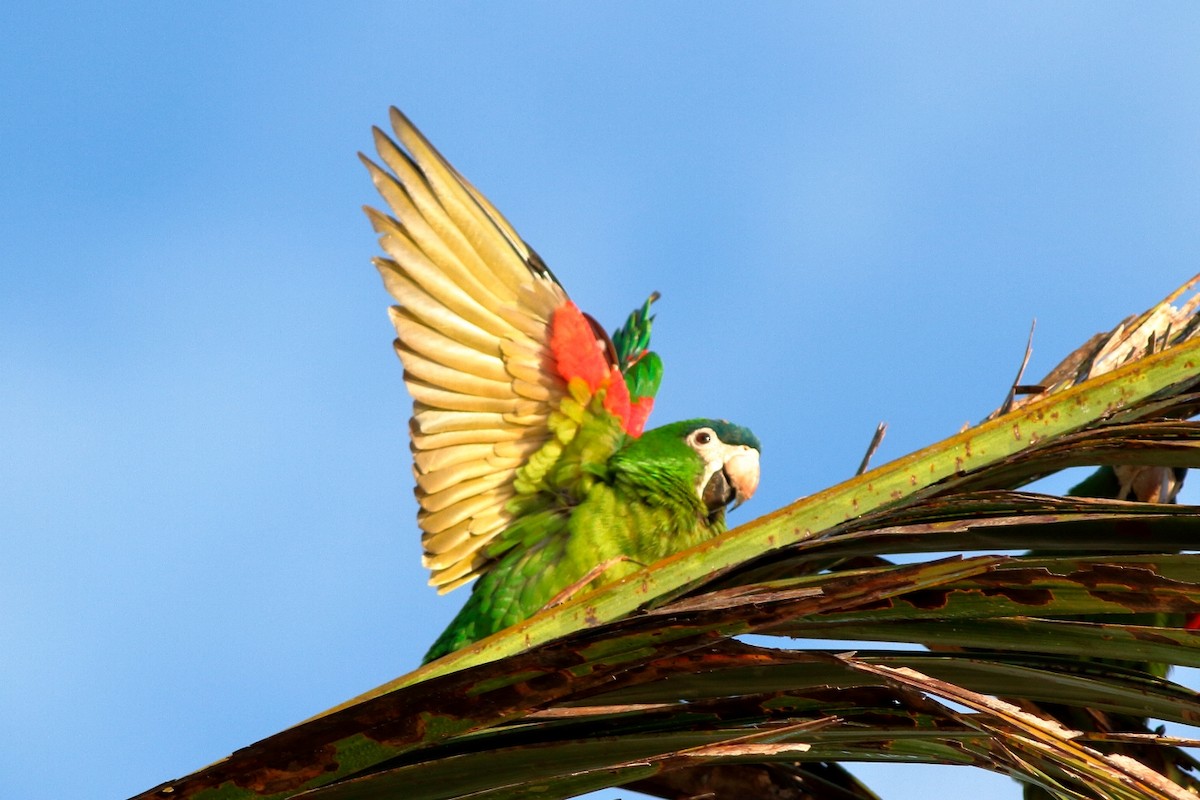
(460, 491)
(475, 304)
(436, 420)
(427, 442)
(449, 378)
(438, 482)
(445, 547)
(428, 343)
(519, 448)
(497, 453)
(476, 223)
(432, 280)
(498, 218)
(432, 313)
(534, 391)
(435, 396)
(437, 521)
(429, 225)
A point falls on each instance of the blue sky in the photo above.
(852, 212)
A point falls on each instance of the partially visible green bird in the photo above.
(533, 473)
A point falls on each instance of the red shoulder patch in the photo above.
(638, 414)
(616, 399)
(579, 354)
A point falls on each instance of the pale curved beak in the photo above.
(741, 469)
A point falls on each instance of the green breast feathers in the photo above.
(533, 471)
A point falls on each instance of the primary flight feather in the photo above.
(533, 471)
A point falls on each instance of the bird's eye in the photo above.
(702, 437)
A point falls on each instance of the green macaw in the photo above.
(533, 472)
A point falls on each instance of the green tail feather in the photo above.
(633, 338)
(642, 369)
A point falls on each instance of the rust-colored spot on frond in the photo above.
(1155, 638)
(1023, 597)
(883, 604)
(928, 599)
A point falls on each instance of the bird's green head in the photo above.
(713, 458)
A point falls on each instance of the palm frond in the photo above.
(1044, 601)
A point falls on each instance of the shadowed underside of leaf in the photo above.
(591, 694)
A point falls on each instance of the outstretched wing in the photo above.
(490, 345)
